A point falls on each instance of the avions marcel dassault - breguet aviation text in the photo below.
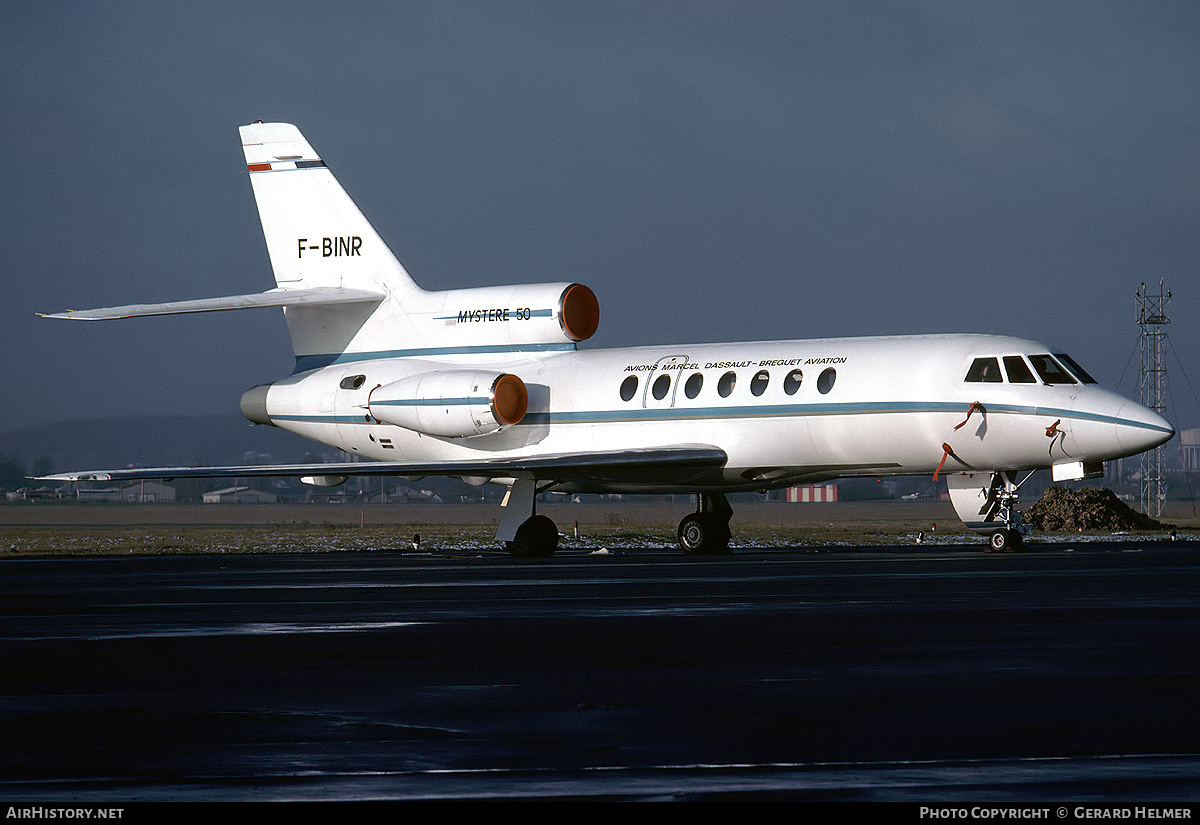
(487, 384)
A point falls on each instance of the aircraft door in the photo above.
(663, 381)
(350, 408)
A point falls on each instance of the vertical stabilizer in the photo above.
(315, 234)
(317, 237)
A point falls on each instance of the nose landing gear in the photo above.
(990, 509)
(1006, 541)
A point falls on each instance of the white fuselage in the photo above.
(856, 407)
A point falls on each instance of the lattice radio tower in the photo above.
(1152, 319)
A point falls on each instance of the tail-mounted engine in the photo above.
(523, 314)
(451, 403)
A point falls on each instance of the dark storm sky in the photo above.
(714, 171)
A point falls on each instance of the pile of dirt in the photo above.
(1086, 509)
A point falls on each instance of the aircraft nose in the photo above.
(1141, 428)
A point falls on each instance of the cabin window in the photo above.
(660, 387)
(984, 370)
(353, 382)
(791, 383)
(1018, 371)
(1050, 370)
(1079, 371)
(725, 385)
(629, 388)
(694, 384)
(825, 380)
(758, 384)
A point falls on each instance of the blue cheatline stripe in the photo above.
(428, 402)
(466, 318)
(304, 363)
(765, 411)
(326, 419)
(776, 410)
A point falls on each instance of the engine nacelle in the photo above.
(451, 403)
(507, 315)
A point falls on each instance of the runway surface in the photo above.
(1070, 673)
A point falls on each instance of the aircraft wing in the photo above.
(315, 296)
(669, 464)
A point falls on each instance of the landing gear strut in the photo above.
(522, 531)
(1001, 506)
(990, 509)
(706, 531)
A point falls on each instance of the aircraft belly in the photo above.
(901, 440)
(764, 448)
(322, 432)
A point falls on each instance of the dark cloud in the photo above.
(714, 171)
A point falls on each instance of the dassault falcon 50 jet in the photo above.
(487, 384)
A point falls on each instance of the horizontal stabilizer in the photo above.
(316, 296)
(668, 464)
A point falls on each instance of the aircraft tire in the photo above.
(536, 538)
(1004, 541)
(703, 535)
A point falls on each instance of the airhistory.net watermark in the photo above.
(42, 812)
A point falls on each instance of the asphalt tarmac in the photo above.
(940, 675)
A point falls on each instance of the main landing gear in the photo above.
(536, 538)
(527, 535)
(706, 531)
(522, 531)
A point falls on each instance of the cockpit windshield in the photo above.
(984, 370)
(1064, 370)
(1018, 371)
(1079, 371)
(1050, 370)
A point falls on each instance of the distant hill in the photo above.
(171, 441)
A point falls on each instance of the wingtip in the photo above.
(73, 315)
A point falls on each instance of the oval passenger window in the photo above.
(725, 386)
(826, 379)
(792, 382)
(661, 385)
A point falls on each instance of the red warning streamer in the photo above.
(975, 405)
(1053, 433)
(947, 451)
